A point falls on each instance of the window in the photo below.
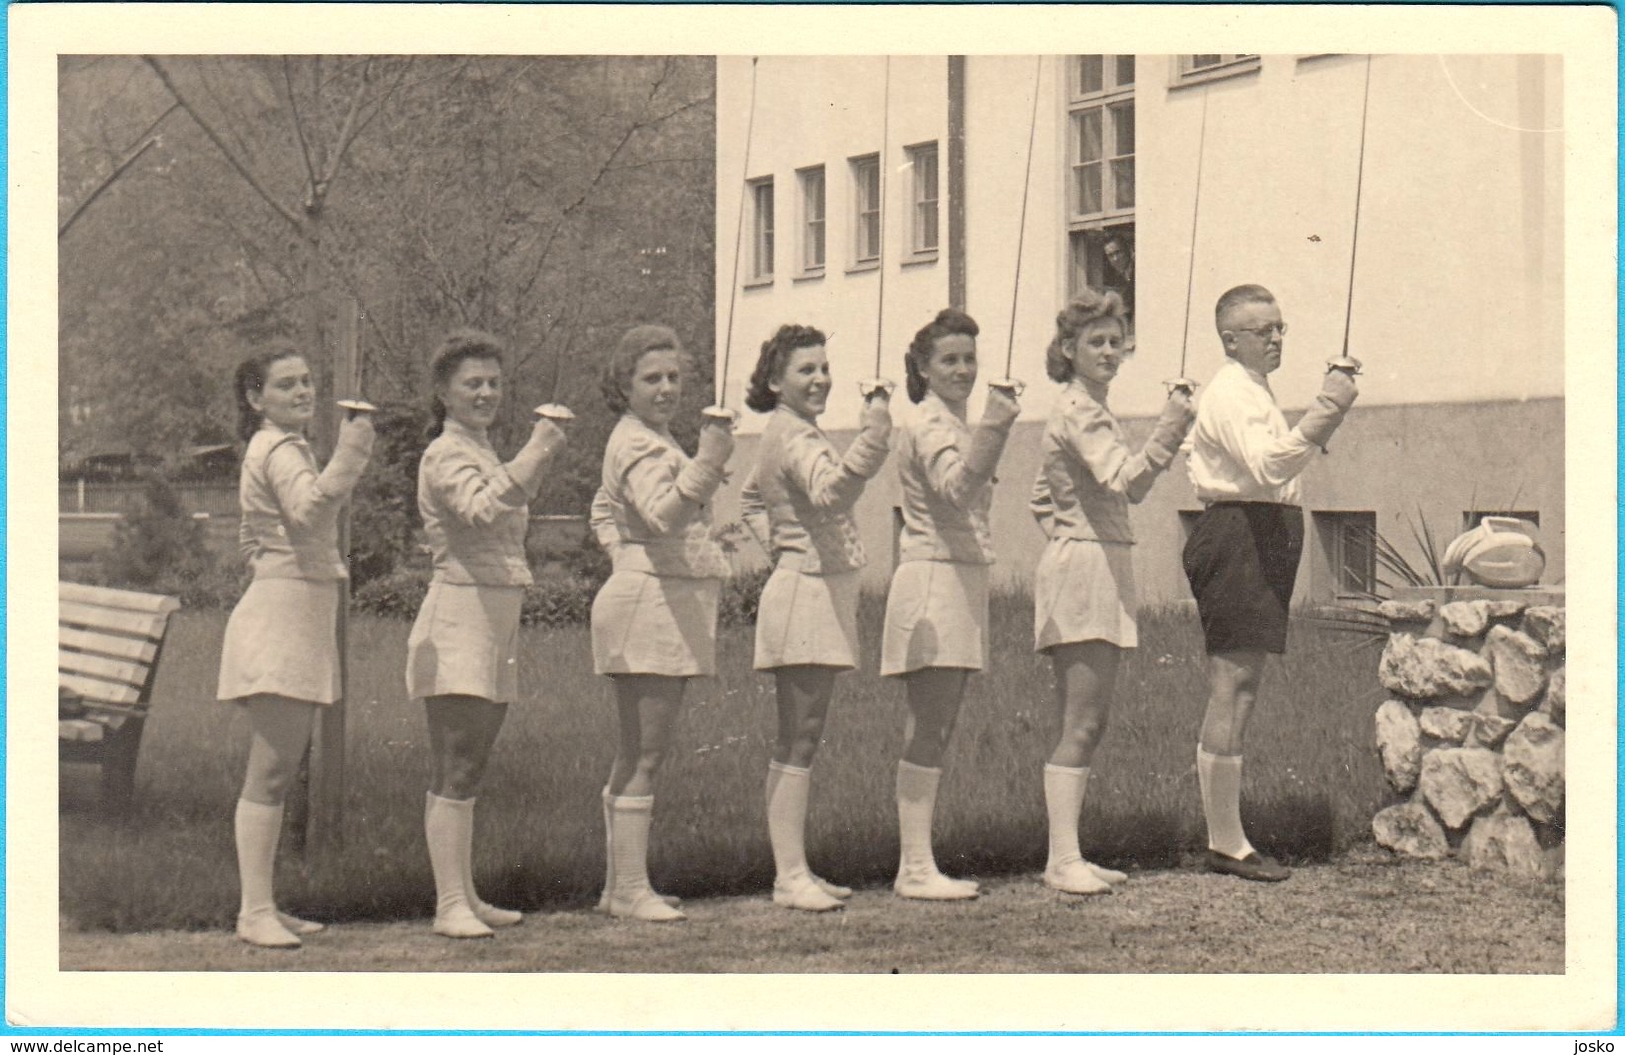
(923, 163)
(1100, 175)
(1349, 542)
(866, 208)
(761, 257)
(1472, 518)
(1103, 259)
(1102, 149)
(1192, 69)
(812, 219)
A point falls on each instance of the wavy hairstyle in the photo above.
(615, 379)
(1087, 306)
(776, 352)
(250, 377)
(949, 321)
(458, 346)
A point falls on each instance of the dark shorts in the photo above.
(1241, 561)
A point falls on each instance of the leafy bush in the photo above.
(558, 602)
(741, 595)
(162, 549)
(397, 595)
(384, 522)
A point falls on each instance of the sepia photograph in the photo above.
(761, 493)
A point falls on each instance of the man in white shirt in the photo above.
(1242, 556)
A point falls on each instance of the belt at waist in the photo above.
(1245, 502)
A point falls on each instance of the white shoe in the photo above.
(492, 916)
(832, 889)
(294, 925)
(647, 906)
(1110, 875)
(1075, 877)
(671, 899)
(806, 894)
(265, 930)
(934, 886)
(459, 921)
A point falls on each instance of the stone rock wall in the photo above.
(1472, 734)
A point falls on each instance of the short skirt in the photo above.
(282, 639)
(465, 642)
(936, 616)
(1242, 561)
(808, 620)
(655, 624)
(1083, 590)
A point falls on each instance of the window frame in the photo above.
(1471, 518)
(763, 228)
(1184, 72)
(857, 165)
(809, 268)
(1344, 582)
(918, 203)
(1107, 102)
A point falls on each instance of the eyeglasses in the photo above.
(1262, 331)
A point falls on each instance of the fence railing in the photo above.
(217, 499)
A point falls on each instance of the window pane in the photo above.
(764, 229)
(871, 236)
(815, 245)
(1123, 129)
(812, 184)
(1199, 62)
(926, 235)
(1088, 188)
(1125, 70)
(871, 183)
(1123, 183)
(1090, 72)
(1087, 123)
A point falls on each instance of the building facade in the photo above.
(865, 193)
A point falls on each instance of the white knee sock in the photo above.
(916, 805)
(787, 790)
(258, 829)
(448, 827)
(633, 817)
(609, 847)
(1220, 777)
(1063, 800)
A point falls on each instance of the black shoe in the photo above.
(1254, 866)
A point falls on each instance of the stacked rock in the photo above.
(1473, 733)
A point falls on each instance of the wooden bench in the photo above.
(108, 646)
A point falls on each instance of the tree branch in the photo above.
(297, 121)
(225, 151)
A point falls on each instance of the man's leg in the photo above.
(1234, 678)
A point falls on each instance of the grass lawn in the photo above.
(1367, 913)
(1312, 779)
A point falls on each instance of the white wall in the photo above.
(1458, 279)
(824, 110)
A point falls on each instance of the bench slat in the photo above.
(107, 645)
(80, 729)
(132, 674)
(94, 690)
(107, 597)
(137, 623)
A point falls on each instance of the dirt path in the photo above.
(1365, 914)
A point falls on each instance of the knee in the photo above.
(650, 759)
(268, 783)
(460, 776)
(803, 746)
(1080, 738)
